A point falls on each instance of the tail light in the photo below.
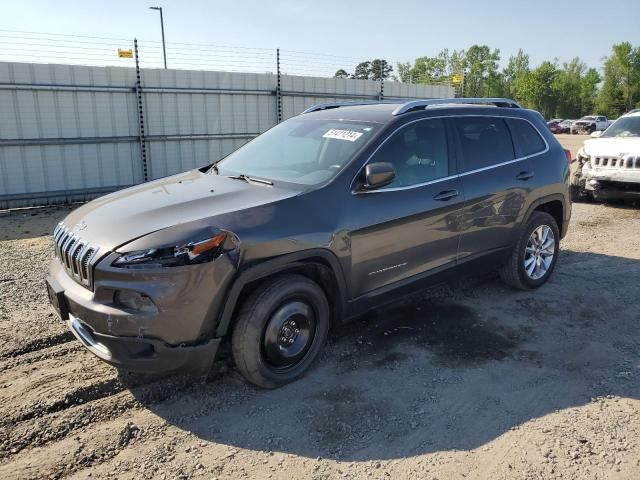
(568, 155)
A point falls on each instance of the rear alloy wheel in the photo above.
(534, 257)
(280, 330)
(539, 252)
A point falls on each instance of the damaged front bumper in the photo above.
(608, 183)
(144, 355)
(176, 333)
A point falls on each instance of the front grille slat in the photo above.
(75, 255)
(617, 162)
(84, 262)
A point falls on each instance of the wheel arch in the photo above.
(555, 205)
(320, 265)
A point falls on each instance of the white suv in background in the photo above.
(590, 124)
(609, 163)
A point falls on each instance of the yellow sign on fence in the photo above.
(125, 53)
(457, 78)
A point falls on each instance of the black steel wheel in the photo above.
(289, 333)
(280, 330)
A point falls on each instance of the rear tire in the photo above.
(534, 257)
(280, 330)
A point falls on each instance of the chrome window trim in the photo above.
(457, 175)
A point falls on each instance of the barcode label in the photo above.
(348, 135)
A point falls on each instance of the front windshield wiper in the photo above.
(249, 179)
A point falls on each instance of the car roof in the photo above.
(384, 112)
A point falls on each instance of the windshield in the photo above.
(588, 118)
(624, 127)
(301, 150)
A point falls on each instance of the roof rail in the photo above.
(420, 104)
(327, 106)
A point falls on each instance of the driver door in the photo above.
(407, 228)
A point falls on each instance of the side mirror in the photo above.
(378, 175)
(596, 134)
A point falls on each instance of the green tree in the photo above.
(362, 71)
(535, 90)
(404, 72)
(567, 86)
(515, 73)
(341, 74)
(377, 69)
(432, 70)
(479, 64)
(589, 91)
(380, 69)
(621, 86)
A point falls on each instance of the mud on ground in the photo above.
(472, 380)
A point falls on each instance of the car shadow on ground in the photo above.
(451, 368)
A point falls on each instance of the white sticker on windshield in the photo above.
(348, 135)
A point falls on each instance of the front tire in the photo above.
(534, 257)
(280, 330)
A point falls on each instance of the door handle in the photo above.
(524, 176)
(446, 195)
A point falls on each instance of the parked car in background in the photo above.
(609, 163)
(326, 216)
(554, 125)
(589, 124)
(565, 126)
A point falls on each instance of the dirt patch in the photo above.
(468, 380)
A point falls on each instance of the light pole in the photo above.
(164, 51)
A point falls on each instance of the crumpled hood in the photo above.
(612, 147)
(120, 217)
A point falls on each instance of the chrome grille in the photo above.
(75, 255)
(617, 162)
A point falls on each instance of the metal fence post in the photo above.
(381, 96)
(278, 88)
(141, 131)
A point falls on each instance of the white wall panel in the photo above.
(71, 132)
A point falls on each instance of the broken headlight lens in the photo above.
(190, 253)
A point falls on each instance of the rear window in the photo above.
(485, 141)
(526, 138)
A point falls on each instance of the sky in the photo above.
(338, 31)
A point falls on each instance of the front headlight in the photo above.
(188, 253)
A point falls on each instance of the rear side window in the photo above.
(485, 141)
(526, 138)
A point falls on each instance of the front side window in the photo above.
(418, 152)
(485, 141)
(526, 138)
(301, 151)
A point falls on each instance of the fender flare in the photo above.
(273, 266)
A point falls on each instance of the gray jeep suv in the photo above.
(325, 216)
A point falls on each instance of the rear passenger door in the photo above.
(496, 178)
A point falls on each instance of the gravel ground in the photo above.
(472, 380)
